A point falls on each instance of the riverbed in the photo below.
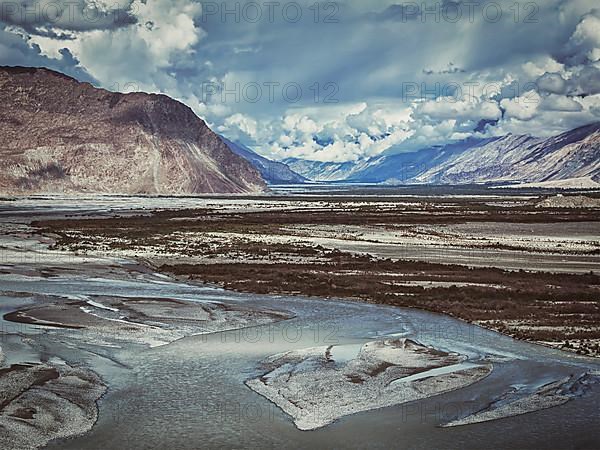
(191, 393)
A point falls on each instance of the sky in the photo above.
(330, 81)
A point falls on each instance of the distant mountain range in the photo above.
(574, 155)
(322, 171)
(60, 135)
(272, 172)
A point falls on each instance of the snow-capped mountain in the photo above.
(273, 172)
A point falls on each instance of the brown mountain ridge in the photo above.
(60, 135)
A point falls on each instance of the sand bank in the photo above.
(315, 387)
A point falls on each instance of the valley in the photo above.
(337, 225)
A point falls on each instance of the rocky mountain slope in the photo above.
(571, 155)
(60, 135)
(273, 172)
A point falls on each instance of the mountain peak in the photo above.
(22, 70)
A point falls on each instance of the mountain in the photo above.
(272, 172)
(400, 167)
(524, 159)
(573, 156)
(60, 135)
(321, 171)
(403, 168)
(484, 162)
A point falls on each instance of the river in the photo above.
(190, 394)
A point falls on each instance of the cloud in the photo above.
(472, 77)
(136, 55)
(584, 44)
(584, 80)
(17, 50)
(560, 103)
(58, 18)
(464, 109)
(240, 126)
(552, 82)
(523, 108)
